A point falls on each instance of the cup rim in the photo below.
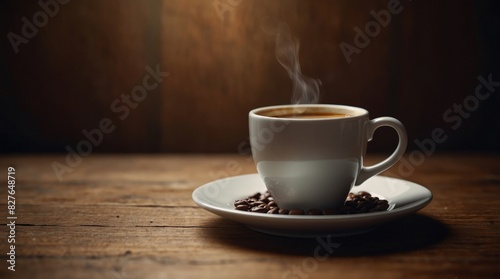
(358, 112)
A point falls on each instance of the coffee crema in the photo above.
(314, 115)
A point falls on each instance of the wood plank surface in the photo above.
(132, 216)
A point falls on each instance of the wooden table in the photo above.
(131, 216)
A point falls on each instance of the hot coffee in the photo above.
(313, 115)
(301, 113)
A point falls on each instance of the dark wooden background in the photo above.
(64, 79)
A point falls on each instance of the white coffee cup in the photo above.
(310, 156)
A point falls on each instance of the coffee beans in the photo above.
(362, 202)
(296, 212)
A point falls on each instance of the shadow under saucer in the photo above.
(413, 232)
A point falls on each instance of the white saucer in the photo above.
(404, 198)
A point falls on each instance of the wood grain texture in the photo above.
(131, 216)
(92, 52)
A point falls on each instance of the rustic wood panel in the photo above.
(64, 80)
(68, 75)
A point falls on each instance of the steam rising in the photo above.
(305, 89)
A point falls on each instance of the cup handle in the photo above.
(371, 126)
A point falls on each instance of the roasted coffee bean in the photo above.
(256, 195)
(240, 202)
(383, 206)
(242, 207)
(283, 211)
(263, 205)
(296, 212)
(352, 196)
(257, 203)
(351, 203)
(314, 211)
(273, 210)
(251, 200)
(369, 203)
(258, 209)
(363, 193)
